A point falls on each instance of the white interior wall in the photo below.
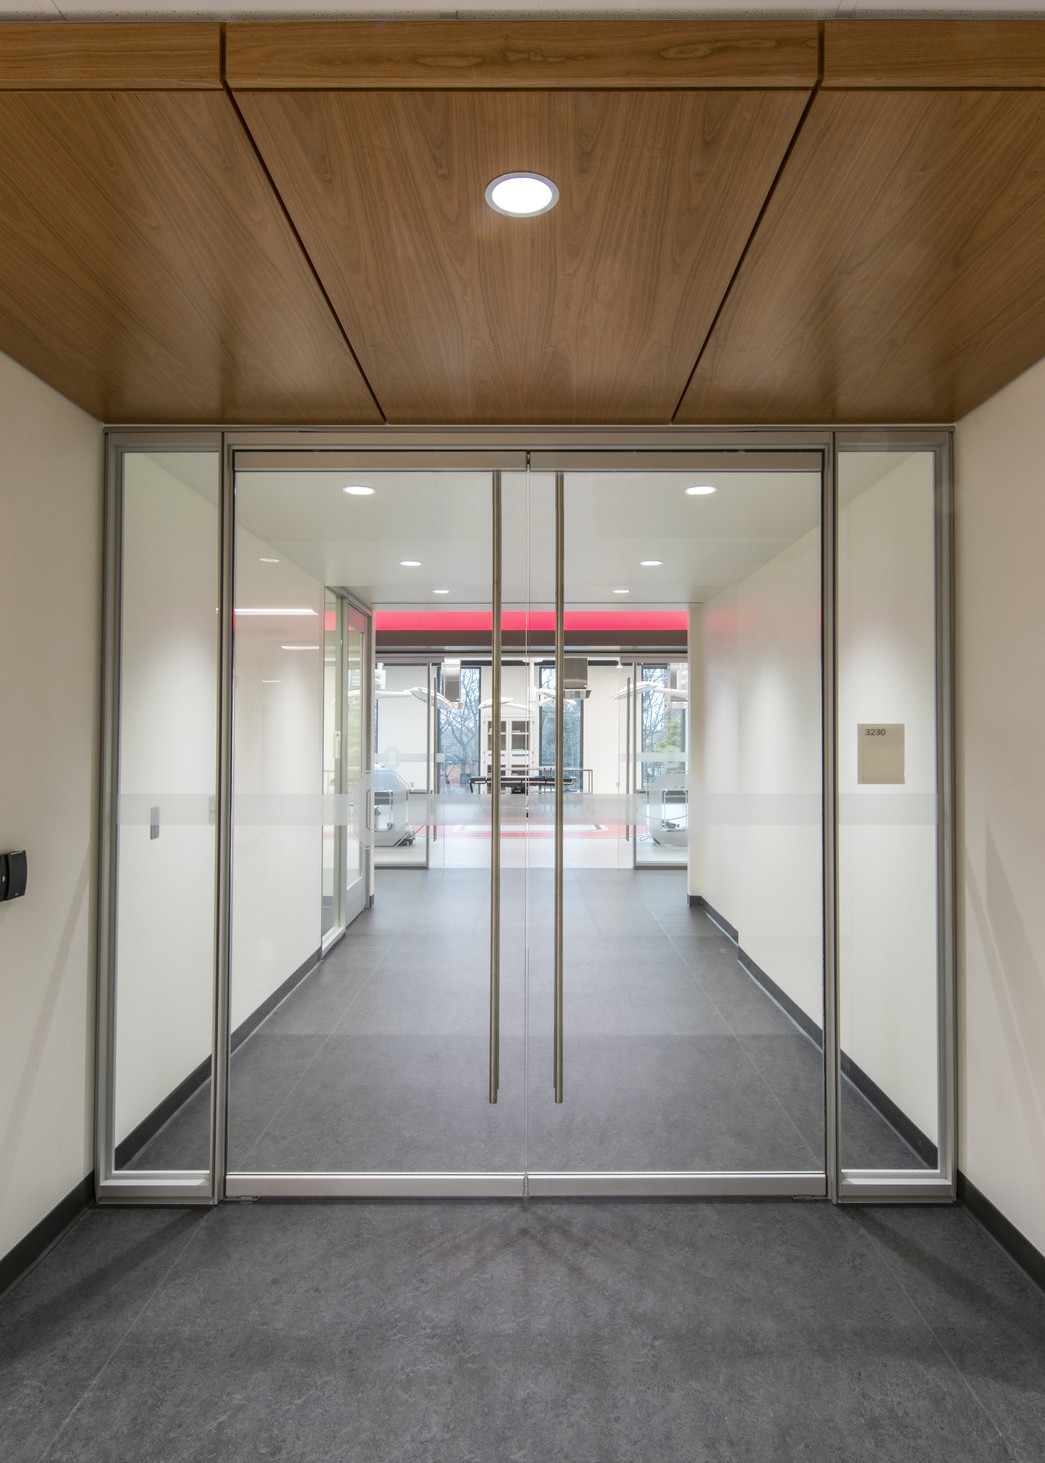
(760, 834)
(277, 852)
(50, 589)
(603, 725)
(1000, 518)
(168, 731)
(402, 725)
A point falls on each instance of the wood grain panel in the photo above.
(898, 274)
(456, 54)
(55, 56)
(592, 312)
(1009, 54)
(147, 272)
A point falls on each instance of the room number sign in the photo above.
(880, 752)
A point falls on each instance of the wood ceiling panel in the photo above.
(934, 53)
(593, 312)
(898, 274)
(536, 54)
(50, 57)
(147, 271)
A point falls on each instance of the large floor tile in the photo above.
(710, 1333)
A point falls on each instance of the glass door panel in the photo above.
(373, 1056)
(693, 984)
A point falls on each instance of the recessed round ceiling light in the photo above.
(650, 563)
(522, 195)
(699, 492)
(263, 560)
(410, 563)
(440, 591)
(358, 490)
(622, 591)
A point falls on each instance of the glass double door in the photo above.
(538, 992)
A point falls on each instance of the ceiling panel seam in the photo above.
(761, 215)
(297, 237)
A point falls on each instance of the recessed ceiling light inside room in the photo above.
(522, 195)
(700, 491)
(358, 490)
(440, 591)
(650, 563)
(299, 647)
(409, 563)
(263, 560)
(622, 591)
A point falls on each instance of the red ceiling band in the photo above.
(543, 620)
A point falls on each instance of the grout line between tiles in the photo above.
(817, 1158)
(363, 984)
(146, 1303)
(882, 1255)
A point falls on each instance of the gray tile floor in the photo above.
(675, 1058)
(495, 1332)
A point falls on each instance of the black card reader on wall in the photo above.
(14, 868)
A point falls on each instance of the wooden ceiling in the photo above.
(759, 222)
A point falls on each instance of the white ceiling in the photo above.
(613, 521)
(328, 9)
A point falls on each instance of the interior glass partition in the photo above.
(158, 1006)
(889, 835)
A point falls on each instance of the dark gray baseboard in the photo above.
(28, 1252)
(1013, 1241)
(886, 1108)
(868, 1089)
(247, 1028)
(176, 1099)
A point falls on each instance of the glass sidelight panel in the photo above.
(162, 997)
(889, 1008)
(370, 1054)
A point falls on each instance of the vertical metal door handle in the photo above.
(495, 799)
(627, 763)
(560, 703)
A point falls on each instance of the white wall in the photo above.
(604, 730)
(759, 808)
(50, 583)
(277, 853)
(1000, 518)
